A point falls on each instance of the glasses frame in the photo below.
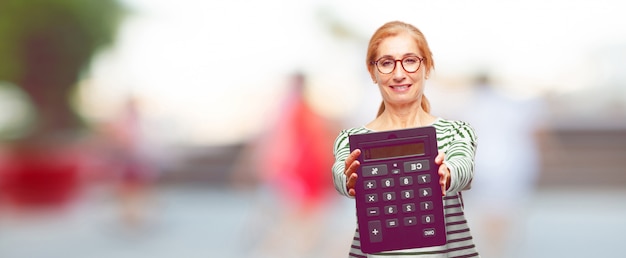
(395, 61)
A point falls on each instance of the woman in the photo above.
(404, 106)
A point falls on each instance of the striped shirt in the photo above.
(457, 140)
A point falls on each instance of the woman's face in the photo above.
(400, 88)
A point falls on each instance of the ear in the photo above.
(374, 79)
(370, 69)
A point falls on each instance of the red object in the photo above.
(298, 155)
(40, 178)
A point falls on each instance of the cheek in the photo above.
(419, 76)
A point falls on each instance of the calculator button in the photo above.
(391, 209)
(425, 192)
(392, 223)
(376, 170)
(407, 194)
(427, 219)
(373, 211)
(408, 207)
(370, 198)
(410, 221)
(429, 232)
(423, 179)
(387, 182)
(389, 196)
(426, 206)
(374, 229)
(416, 165)
(406, 180)
(370, 184)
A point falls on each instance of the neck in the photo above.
(393, 118)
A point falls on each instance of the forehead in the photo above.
(398, 45)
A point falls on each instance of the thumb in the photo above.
(440, 157)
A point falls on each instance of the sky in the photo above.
(214, 72)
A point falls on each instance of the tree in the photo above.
(45, 46)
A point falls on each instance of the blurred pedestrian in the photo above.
(290, 157)
(505, 180)
(136, 172)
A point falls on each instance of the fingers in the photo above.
(444, 178)
(351, 158)
(351, 177)
(351, 183)
(444, 173)
(352, 164)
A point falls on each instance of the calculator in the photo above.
(398, 196)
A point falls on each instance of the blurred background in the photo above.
(147, 128)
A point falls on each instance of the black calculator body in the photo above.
(398, 196)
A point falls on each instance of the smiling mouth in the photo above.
(400, 87)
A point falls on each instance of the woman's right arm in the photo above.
(341, 152)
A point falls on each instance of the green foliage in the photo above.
(80, 27)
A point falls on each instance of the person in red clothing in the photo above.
(291, 159)
(296, 151)
(135, 171)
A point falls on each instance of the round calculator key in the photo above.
(386, 183)
(427, 219)
(429, 232)
(423, 179)
(416, 166)
(373, 211)
(369, 198)
(391, 223)
(408, 207)
(426, 206)
(407, 194)
(406, 180)
(369, 184)
(391, 209)
(410, 221)
(375, 170)
(375, 231)
(425, 192)
(389, 196)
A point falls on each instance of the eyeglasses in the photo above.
(410, 64)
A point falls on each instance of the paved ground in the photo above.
(195, 222)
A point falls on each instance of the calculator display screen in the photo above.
(382, 152)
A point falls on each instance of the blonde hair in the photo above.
(391, 29)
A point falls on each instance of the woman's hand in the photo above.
(352, 164)
(444, 173)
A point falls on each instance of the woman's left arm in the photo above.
(459, 158)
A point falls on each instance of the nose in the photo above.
(398, 71)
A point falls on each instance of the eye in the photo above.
(387, 62)
(411, 60)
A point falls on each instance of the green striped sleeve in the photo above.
(341, 151)
(457, 139)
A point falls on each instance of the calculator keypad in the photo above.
(401, 205)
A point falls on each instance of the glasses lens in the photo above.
(386, 65)
(411, 63)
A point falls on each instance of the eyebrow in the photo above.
(405, 55)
